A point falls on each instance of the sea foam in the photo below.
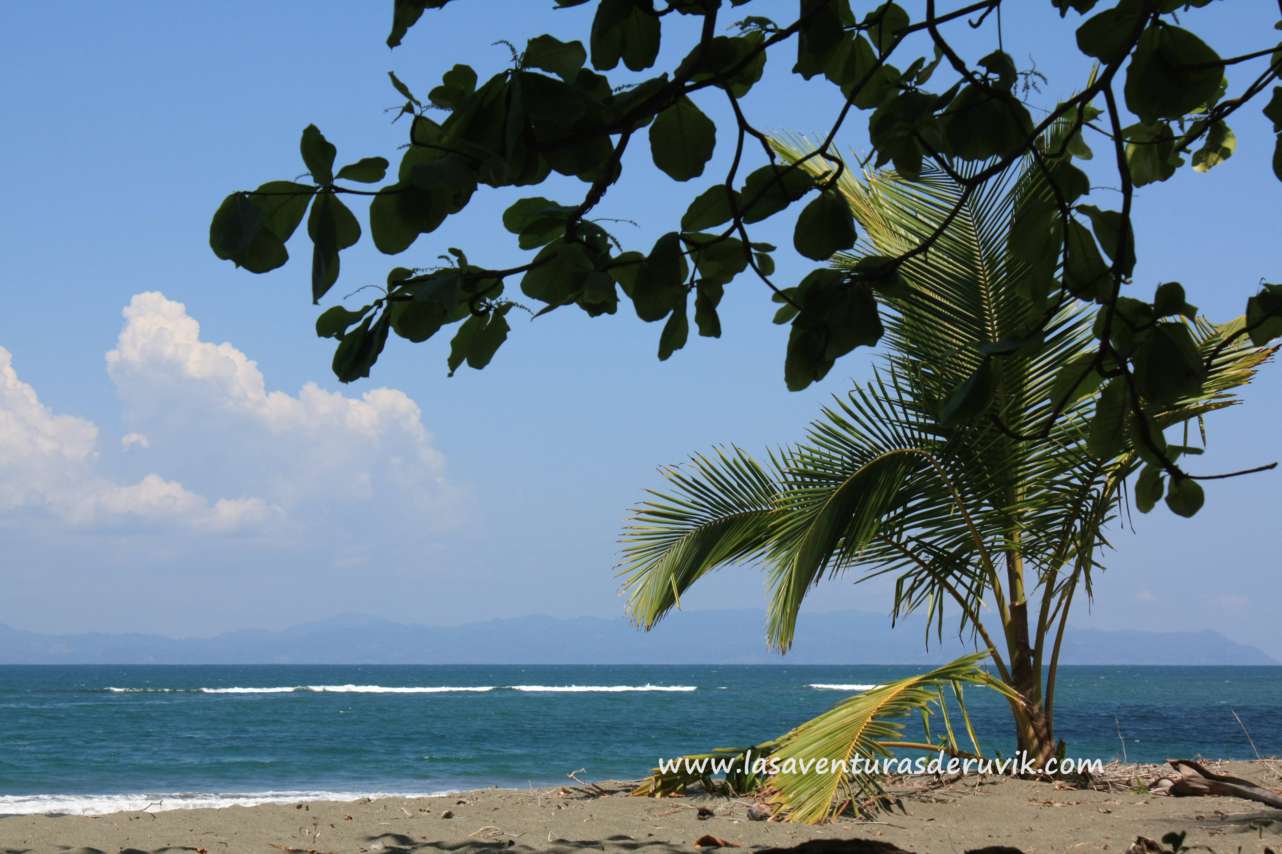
(838, 686)
(104, 804)
(314, 689)
(600, 689)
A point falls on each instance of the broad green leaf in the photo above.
(1107, 34)
(984, 122)
(239, 233)
(564, 59)
(283, 204)
(682, 139)
(825, 227)
(624, 29)
(367, 170)
(318, 155)
(709, 209)
(820, 33)
(1110, 231)
(1131, 318)
(457, 85)
(334, 322)
(1171, 73)
(835, 317)
(400, 213)
(1087, 276)
(558, 273)
(885, 23)
(405, 14)
(1219, 145)
(770, 189)
(1075, 380)
(536, 221)
(435, 302)
(404, 90)
(897, 127)
(1150, 152)
(736, 61)
(332, 228)
(1168, 364)
(675, 332)
(972, 397)
(706, 299)
(1035, 239)
(855, 68)
(717, 260)
(1169, 299)
(1264, 315)
(1107, 435)
(360, 348)
(478, 339)
(1184, 496)
(658, 286)
(1002, 67)
(1148, 488)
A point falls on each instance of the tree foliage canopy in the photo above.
(1158, 101)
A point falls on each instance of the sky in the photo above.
(176, 457)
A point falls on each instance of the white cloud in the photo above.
(134, 440)
(317, 449)
(319, 466)
(49, 464)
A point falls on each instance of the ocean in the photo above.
(102, 738)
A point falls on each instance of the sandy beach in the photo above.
(966, 815)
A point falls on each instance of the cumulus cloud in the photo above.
(134, 440)
(206, 407)
(49, 465)
(317, 464)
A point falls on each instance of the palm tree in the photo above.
(971, 521)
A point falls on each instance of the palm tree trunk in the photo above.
(1033, 730)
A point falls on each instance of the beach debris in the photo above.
(759, 812)
(710, 841)
(704, 813)
(585, 789)
(857, 846)
(1144, 845)
(447, 814)
(1193, 779)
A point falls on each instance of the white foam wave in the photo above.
(316, 689)
(104, 804)
(601, 689)
(840, 686)
(385, 689)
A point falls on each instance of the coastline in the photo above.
(961, 815)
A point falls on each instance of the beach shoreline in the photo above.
(957, 816)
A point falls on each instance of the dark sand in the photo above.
(964, 815)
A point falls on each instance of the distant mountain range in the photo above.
(695, 637)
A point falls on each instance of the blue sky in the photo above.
(179, 458)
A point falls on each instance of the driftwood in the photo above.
(1195, 780)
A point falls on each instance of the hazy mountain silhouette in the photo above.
(694, 637)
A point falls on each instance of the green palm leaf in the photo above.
(868, 725)
(717, 513)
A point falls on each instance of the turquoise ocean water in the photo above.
(95, 739)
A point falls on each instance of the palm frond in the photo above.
(715, 514)
(870, 726)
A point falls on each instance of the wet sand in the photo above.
(964, 815)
